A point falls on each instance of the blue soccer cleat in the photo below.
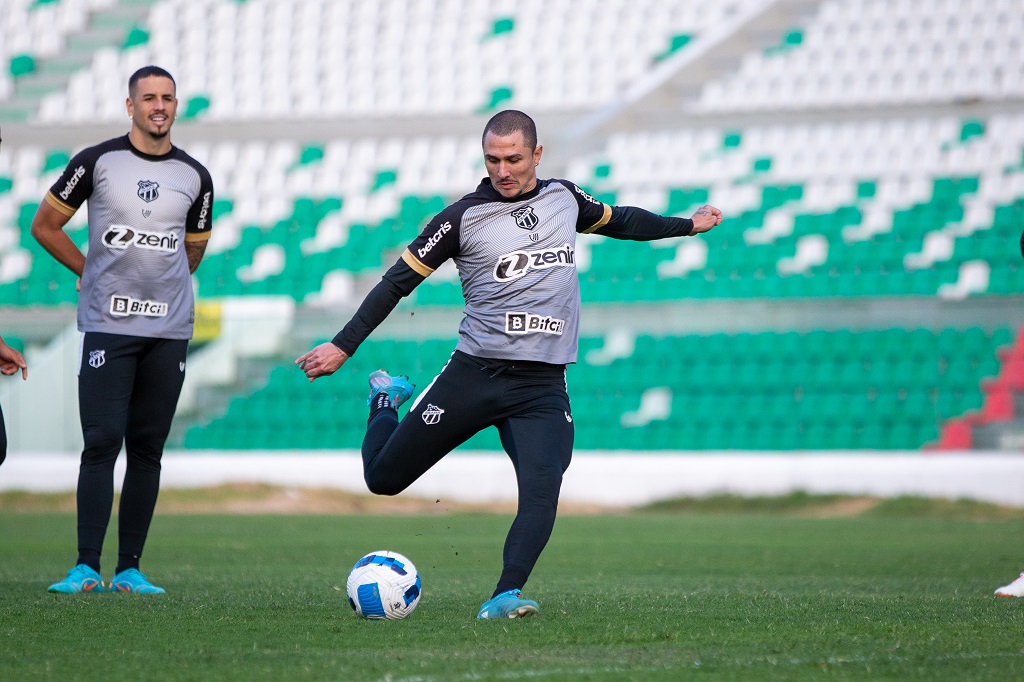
(81, 578)
(131, 580)
(397, 388)
(508, 605)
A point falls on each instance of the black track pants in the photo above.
(128, 389)
(528, 404)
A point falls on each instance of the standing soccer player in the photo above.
(149, 222)
(513, 240)
(10, 362)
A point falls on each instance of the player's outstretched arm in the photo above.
(11, 361)
(704, 218)
(322, 361)
(637, 224)
(326, 358)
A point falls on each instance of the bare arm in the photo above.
(194, 252)
(11, 361)
(48, 229)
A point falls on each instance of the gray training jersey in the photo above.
(142, 209)
(517, 262)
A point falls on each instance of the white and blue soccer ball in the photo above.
(383, 585)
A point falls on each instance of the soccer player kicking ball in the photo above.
(513, 240)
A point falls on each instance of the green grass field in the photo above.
(706, 592)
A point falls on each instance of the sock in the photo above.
(90, 558)
(382, 401)
(512, 578)
(126, 561)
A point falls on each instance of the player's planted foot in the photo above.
(131, 580)
(508, 605)
(81, 578)
(1014, 589)
(398, 389)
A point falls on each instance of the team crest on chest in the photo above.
(525, 217)
(148, 190)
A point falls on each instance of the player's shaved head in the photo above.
(146, 72)
(510, 121)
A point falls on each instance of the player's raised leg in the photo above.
(396, 453)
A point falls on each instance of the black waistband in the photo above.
(498, 366)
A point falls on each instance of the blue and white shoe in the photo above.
(397, 388)
(131, 580)
(81, 578)
(508, 605)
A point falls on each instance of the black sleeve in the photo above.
(199, 219)
(639, 225)
(74, 185)
(396, 283)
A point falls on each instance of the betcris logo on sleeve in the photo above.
(586, 196)
(434, 239)
(72, 183)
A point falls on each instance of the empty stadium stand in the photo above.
(864, 292)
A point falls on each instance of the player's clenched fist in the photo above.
(322, 361)
(704, 218)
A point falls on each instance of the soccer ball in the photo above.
(383, 585)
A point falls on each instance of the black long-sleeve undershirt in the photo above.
(398, 282)
(640, 225)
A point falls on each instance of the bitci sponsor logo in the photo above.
(123, 306)
(529, 323)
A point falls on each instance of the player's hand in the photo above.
(322, 361)
(11, 361)
(705, 217)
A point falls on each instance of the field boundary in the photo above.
(603, 478)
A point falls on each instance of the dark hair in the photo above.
(511, 121)
(146, 72)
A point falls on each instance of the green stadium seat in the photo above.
(498, 97)
(138, 35)
(501, 26)
(676, 43)
(196, 106)
(21, 65)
